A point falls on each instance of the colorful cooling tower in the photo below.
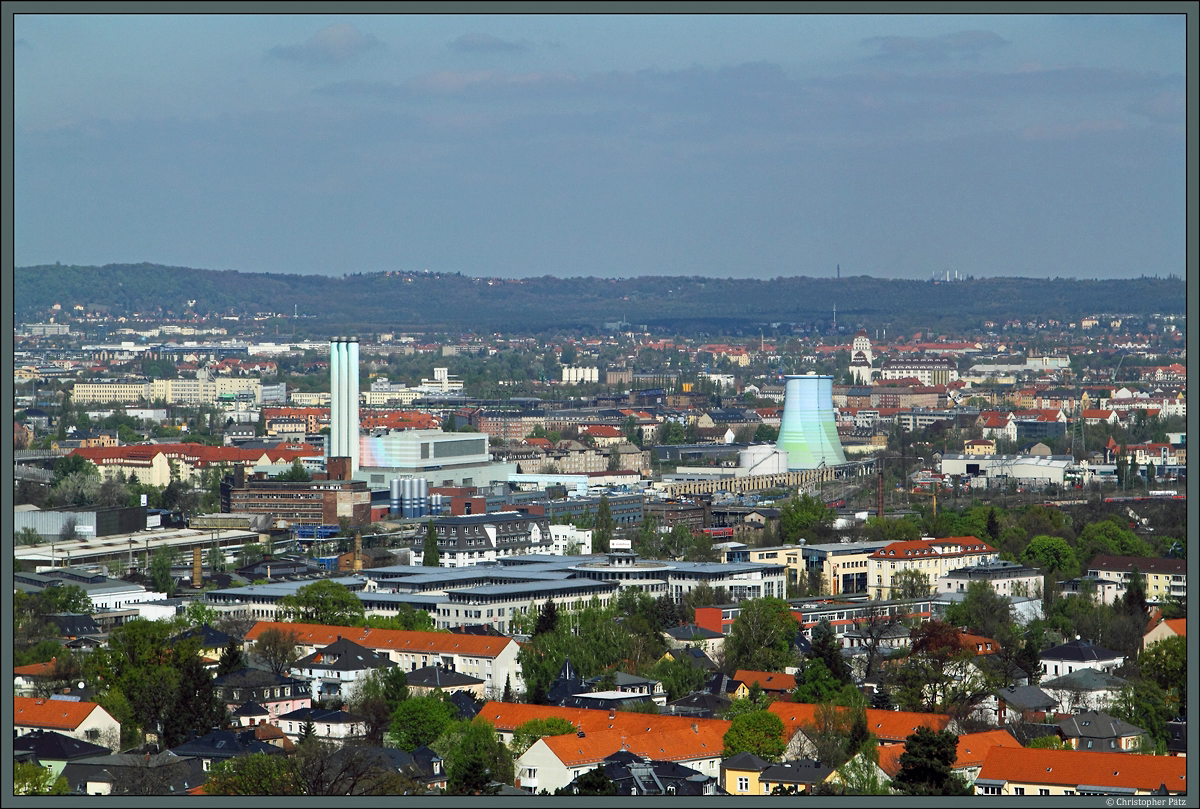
(343, 399)
(808, 431)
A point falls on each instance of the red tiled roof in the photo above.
(507, 716)
(890, 726)
(925, 547)
(767, 680)
(34, 669)
(55, 714)
(971, 750)
(318, 635)
(702, 739)
(1073, 767)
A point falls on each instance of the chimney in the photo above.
(356, 564)
(197, 570)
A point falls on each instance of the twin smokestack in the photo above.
(343, 405)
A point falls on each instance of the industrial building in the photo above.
(808, 428)
(315, 502)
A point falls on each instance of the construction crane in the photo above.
(931, 494)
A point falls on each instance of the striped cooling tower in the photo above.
(807, 431)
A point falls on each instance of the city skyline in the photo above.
(604, 145)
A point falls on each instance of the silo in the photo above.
(394, 496)
(807, 431)
(422, 497)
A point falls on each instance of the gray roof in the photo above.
(439, 677)
(1086, 680)
(1027, 698)
(691, 631)
(1080, 651)
(801, 771)
(541, 589)
(49, 745)
(343, 655)
(745, 761)
(1097, 725)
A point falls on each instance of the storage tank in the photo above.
(763, 459)
(394, 496)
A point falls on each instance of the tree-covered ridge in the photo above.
(452, 301)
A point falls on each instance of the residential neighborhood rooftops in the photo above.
(1073, 768)
(318, 635)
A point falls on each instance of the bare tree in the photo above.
(876, 626)
(279, 648)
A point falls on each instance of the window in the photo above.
(1018, 790)
(743, 784)
(1042, 791)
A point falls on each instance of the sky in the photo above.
(749, 146)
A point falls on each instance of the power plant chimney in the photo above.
(343, 404)
(197, 570)
(357, 563)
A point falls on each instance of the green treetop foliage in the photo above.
(529, 732)
(1165, 664)
(479, 760)
(757, 732)
(547, 619)
(801, 517)
(1051, 554)
(592, 782)
(827, 648)
(925, 765)
(982, 609)
(761, 636)
(418, 721)
(279, 648)
(297, 474)
(323, 602)
(603, 526)
(32, 779)
(429, 556)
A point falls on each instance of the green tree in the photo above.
(1143, 704)
(761, 636)
(547, 619)
(828, 649)
(430, 549)
(70, 598)
(1051, 554)
(592, 782)
(814, 684)
(297, 474)
(603, 527)
(757, 732)
(418, 721)
(529, 732)
(910, 584)
(69, 465)
(479, 760)
(801, 516)
(255, 774)
(323, 602)
(231, 659)
(195, 708)
(31, 779)
(925, 765)
(160, 571)
(982, 609)
(1165, 664)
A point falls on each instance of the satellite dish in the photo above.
(82, 685)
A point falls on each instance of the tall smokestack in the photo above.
(197, 570)
(335, 400)
(357, 563)
(343, 401)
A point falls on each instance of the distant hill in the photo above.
(452, 302)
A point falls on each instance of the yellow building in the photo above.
(932, 557)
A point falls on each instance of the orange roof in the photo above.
(767, 680)
(888, 726)
(973, 747)
(507, 716)
(34, 669)
(925, 547)
(55, 714)
(1177, 625)
(318, 635)
(889, 758)
(1072, 768)
(699, 740)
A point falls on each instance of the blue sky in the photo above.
(571, 145)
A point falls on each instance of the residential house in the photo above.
(28, 679)
(1006, 578)
(932, 557)
(272, 694)
(492, 659)
(134, 773)
(1164, 578)
(889, 727)
(1020, 702)
(332, 670)
(427, 679)
(633, 684)
(740, 774)
(1079, 654)
(638, 775)
(1025, 771)
(801, 775)
(86, 721)
(222, 745)
(774, 684)
(692, 655)
(1163, 629)
(1099, 732)
(336, 724)
(971, 750)
(1084, 689)
(53, 750)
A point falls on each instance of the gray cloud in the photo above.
(485, 43)
(963, 44)
(1056, 81)
(335, 45)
